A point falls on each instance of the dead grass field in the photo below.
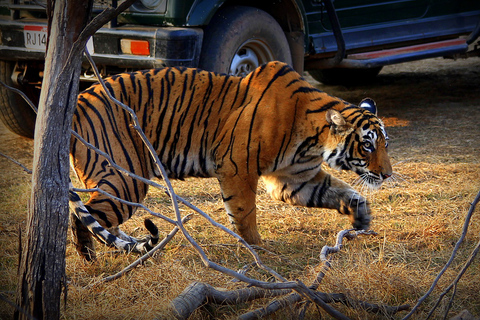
(432, 110)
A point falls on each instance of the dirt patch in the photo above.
(432, 108)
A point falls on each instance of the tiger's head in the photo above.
(358, 142)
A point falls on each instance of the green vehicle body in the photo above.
(367, 25)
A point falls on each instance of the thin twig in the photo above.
(130, 203)
(326, 250)
(465, 267)
(454, 252)
(460, 274)
(146, 256)
(17, 163)
(295, 297)
(205, 260)
(17, 307)
(23, 95)
(174, 197)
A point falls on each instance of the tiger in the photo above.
(270, 124)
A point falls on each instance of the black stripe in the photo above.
(292, 82)
(123, 89)
(297, 190)
(227, 198)
(277, 158)
(148, 83)
(280, 73)
(133, 75)
(307, 169)
(100, 214)
(259, 172)
(88, 138)
(318, 193)
(305, 90)
(73, 196)
(325, 107)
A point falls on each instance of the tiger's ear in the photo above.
(336, 121)
(368, 104)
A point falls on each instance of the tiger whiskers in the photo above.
(360, 179)
(396, 179)
(364, 184)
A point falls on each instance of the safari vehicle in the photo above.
(342, 42)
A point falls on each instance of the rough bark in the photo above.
(42, 266)
(198, 294)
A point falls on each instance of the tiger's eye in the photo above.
(368, 146)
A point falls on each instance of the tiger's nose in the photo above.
(385, 176)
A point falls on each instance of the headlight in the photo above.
(158, 6)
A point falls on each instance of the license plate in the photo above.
(35, 37)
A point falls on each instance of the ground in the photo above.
(432, 112)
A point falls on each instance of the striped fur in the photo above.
(114, 237)
(271, 124)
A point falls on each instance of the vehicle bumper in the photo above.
(169, 46)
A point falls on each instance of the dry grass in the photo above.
(433, 124)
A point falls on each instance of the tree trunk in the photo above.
(42, 265)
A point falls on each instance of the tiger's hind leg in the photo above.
(82, 238)
(84, 225)
(116, 231)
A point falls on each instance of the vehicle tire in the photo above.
(238, 39)
(15, 113)
(343, 76)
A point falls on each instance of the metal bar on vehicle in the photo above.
(391, 56)
(410, 49)
(404, 57)
(31, 7)
(475, 34)
(337, 32)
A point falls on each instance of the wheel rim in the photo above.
(251, 54)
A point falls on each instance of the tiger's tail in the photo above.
(82, 213)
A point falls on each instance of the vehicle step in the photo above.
(381, 58)
(411, 49)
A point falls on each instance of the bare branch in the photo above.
(23, 95)
(198, 294)
(460, 274)
(174, 197)
(102, 18)
(465, 267)
(133, 204)
(454, 253)
(147, 255)
(17, 163)
(16, 306)
(295, 297)
(97, 22)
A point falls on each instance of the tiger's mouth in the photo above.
(370, 180)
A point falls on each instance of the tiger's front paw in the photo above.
(359, 213)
